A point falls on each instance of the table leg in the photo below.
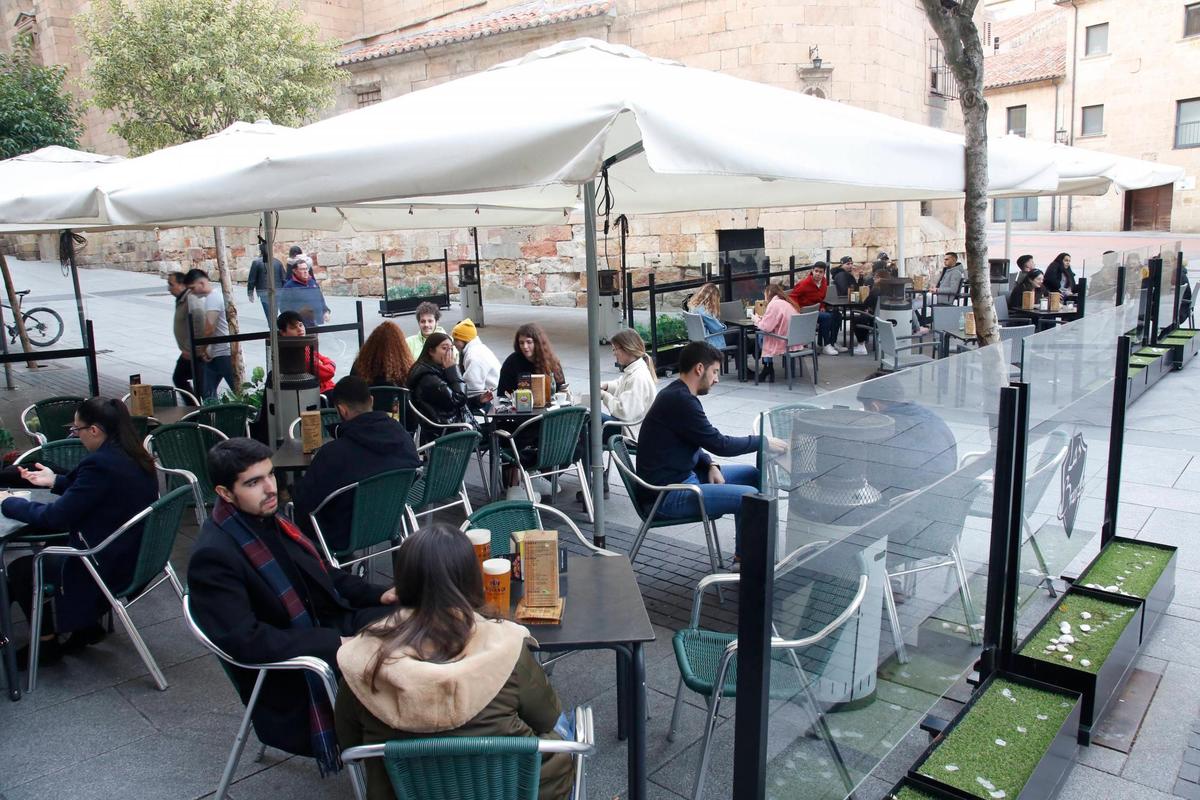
(10, 655)
(637, 731)
(494, 465)
(622, 693)
(742, 356)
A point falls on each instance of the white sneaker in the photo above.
(543, 487)
(860, 349)
(829, 350)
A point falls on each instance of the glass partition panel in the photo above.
(1101, 277)
(885, 505)
(1069, 370)
(1168, 285)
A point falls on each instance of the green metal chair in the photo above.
(391, 400)
(635, 486)
(48, 420)
(558, 437)
(159, 525)
(506, 517)
(231, 419)
(64, 454)
(708, 665)
(168, 397)
(330, 418)
(299, 663)
(181, 452)
(444, 473)
(477, 767)
(379, 516)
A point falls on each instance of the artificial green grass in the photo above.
(1090, 647)
(1183, 333)
(913, 793)
(1129, 568)
(1142, 361)
(994, 749)
(1152, 351)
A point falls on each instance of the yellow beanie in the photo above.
(464, 331)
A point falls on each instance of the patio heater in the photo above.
(611, 320)
(470, 293)
(299, 390)
(1001, 282)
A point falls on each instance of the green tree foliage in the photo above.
(35, 111)
(179, 70)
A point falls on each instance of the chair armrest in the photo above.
(75, 552)
(849, 611)
(920, 346)
(540, 507)
(716, 579)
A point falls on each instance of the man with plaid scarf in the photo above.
(262, 593)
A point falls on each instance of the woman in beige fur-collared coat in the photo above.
(438, 668)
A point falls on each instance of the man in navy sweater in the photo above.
(676, 439)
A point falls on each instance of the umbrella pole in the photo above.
(68, 237)
(271, 395)
(903, 267)
(593, 333)
(1007, 229)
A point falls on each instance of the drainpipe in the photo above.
(1054, 197)
(1074, 81)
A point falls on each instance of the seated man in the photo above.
(480, 367)
(675, 435)
(290, 323)
(261, 592)
(811, 291)
(368, 442)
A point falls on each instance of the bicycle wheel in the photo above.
(43, 326)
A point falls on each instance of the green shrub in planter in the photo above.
(992, 751)
(670, 327)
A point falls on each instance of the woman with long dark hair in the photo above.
(531, 355)
(436, 667)
(384, 359)
(112, 484)
(436, 387)
(1059, 277)
(1032, 281)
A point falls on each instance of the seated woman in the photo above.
(1059, 277)
(437, 668)
(290, 323)
(775, 320)
(531, 355)
(384, 359)
(630, 395)
(436, 386)
(1031, 281)
(112, 484)
(707, 303)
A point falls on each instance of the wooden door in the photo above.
(1149, 209)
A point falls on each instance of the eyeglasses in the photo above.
(75, 429)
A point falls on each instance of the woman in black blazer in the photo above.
(109, 486)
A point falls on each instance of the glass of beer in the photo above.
(481, 539)
(497, 583)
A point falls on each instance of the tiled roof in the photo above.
(514, 18)
(1033, 47)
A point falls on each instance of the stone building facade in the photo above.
(876, 54)
(1099, 75)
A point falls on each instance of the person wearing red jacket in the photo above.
(290, 323)
(811, 292)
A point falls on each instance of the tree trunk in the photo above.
(231, 313)
(15, 306)
(964, 54)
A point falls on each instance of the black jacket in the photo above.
(1059, 279)
(258, 278)
(367, 445)
(843, 279)
(676, 434)
(99, 496)
(438, 393)
(237, 609)
(517, 365)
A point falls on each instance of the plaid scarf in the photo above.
(320, 711)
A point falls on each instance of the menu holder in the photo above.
(523, 401)
(969, 323)
(918, 282)
(541, 390)
(540, 615)
(539, 567)
(310, 431)
(1055, 301)
(141, 400)
(1028, 300)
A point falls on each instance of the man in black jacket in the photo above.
(261, 592)
(676, 439)
(368, 442)
(258, 277)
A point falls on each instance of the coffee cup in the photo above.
(481, 540)
(497, 585)
(561, 398)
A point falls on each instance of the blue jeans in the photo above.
(827, 325)
(220, 368)
(719, 498)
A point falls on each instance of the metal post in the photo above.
(595, 425)
(68, 240)
(653, 321)
(903, 269)
(8, 378)
(193, 361)
(756, 599)
(273, 391)
(1002, 484)
(1081, 298)
(623, 230)
(1116, 440)
(89, 342)
(1120, 301)
(362, 334)
(792, 270)
(1016, 518)
(478, 271)
(1007, 229)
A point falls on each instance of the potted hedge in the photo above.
(1087, 644)
(1136, 569)
(1014, 739)
(672, 336)
(405, 299)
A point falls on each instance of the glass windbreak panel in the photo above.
(1101, 277)
(1069, 370)
(1137, 287)
(1168, 286)
(743, 274)
(884, 526)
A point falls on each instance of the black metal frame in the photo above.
(1116, 440)
(407, 305)
(87, 353)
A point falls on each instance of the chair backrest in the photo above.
(54, 415)
(185, 446)
(802, 329)
(503, 519)
(1015, 333)
(64, 454)
(620, 452)
(1001, 303)
(734, 309)
(159, 530)
(391, 400)
(445, 467)
(330, 418)
(558, 436)
(170, 396)
(231, 419)
(812, 308)
(379, 509)
(464, 768)
(695, 327)
(949, 318)
(832, 293)
(886, 334)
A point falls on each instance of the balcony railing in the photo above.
(941, 79)
(1187, 134)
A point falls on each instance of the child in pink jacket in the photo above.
(775, 320)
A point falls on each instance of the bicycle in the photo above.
(43, 325)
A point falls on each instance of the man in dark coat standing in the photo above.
(257, 281)
(261, 592)
(368, 442)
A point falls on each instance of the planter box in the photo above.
(1157, 600)
(407, 305)
(1159, 357)
(1183, 343)
(1099, 688)
(1137, 384)
(668, 358)
(1051, 770)
(909, 789)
